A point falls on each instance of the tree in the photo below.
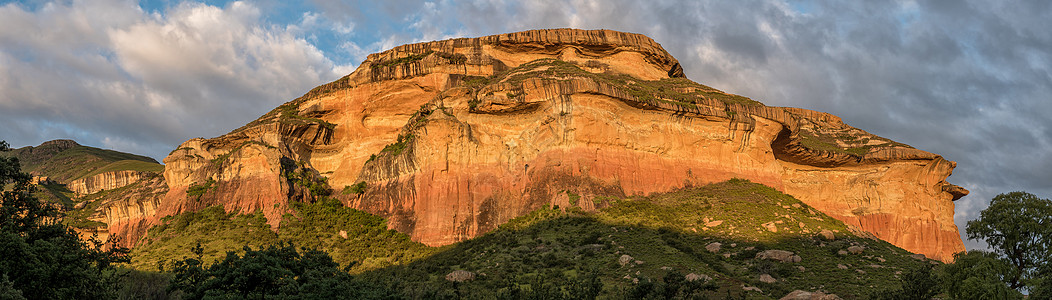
(273, 272)
(917, 283)
(977, 275)
(1018, 228)
(41, 257)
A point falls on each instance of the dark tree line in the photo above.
(41, 257)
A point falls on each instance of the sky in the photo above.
(969, 80)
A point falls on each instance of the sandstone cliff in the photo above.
(105, 181)
(449, 139)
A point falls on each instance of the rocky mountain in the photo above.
(67, 162)
(450, 139)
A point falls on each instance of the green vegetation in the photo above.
(299, 175)
(919, 282)
(1018, 228)
(54, 193)
(355, 239)
(657, 246)
(403, 60)
(275, 272)
(288, 113)
(137, 284)
(740, 205)
(128, 165)
(197, 190)
(978, 275)
(399, 145)
(475, 81)
(179, 149)
(858, 144)
(222, 158)
(65, 161)
(395, 148)
(453, 58)
(81, 217)
(214, 229)
(563, 249)
(43, 259)
(573, 198)
(812, 141)
(356, 189)
(677, 91)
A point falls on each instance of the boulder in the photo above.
(827, 234)
(855, 249)
(624, 259)
(696, 277)
(765, 278)
(460, 276)
(779, 255)
(770, 226)
(713, 247)
(805, 295)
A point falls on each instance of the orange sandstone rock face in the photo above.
(453, 138)
(105, 181)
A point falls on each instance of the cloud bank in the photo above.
(109, 74)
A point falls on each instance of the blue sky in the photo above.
(969, 80)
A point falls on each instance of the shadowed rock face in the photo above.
(453, 138)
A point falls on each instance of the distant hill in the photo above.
(64, 161)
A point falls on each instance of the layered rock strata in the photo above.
(105, 181)
(449, 139)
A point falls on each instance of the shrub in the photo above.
(356, 189)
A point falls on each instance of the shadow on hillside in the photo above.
(555, 250)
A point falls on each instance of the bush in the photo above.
(977, 275)
(917, 283)
(44, 259)
(356, 189)
(197, 190)
(273, 272)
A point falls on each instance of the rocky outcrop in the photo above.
(805, 295)
(105, 181)
(452, 138)
(130, 213)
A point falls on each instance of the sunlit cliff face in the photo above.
(453, 138)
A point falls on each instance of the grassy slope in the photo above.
(68, 164)
(55, 193)
(665, 232)
(660, 232)
(368, 243)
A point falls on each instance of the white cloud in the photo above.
(106, 73)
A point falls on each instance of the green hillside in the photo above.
(636, 247)
(65, 160)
